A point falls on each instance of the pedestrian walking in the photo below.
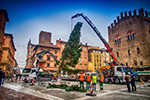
(101, 81)
(127, 81)
(1, 76)
(81, 79)
(94, 80)
(88, 81)
(133, 83)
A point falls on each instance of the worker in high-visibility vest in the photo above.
(81, 79)
(101, 81)
(94, 80)
(88, 81)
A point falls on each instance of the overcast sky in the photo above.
(28, 17)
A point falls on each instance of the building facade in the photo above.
(129, 37)
(3, 20)
(8, 61)
(95, 58)
(46, 63)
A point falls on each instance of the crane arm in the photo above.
(98, 34)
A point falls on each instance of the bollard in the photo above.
(91, 93)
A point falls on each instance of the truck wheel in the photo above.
(117, 81)
(106, 80)
(144, 79)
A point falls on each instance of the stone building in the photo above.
(95, 58)
(129, 37)
(3, 19)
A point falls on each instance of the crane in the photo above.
(98, 34)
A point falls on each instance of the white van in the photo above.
(28, 74)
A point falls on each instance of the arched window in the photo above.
(141, 63)
(135, 62)
(131, 35)
(117, 54)
(129, 52)
(138, 50)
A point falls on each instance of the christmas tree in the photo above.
(72, 50)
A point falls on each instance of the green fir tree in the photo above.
(72, 50)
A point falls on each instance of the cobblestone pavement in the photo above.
(111, 92)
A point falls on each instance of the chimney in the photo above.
(86, 44)
(59, 39)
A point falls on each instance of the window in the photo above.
(100, 56)
(141, 63)
(54, 65)
(29, 52)
(138, 50)
(85, 66)
(131, 35)
(126, 64)
(117, 41)
(47, 64)
(63, 46)
(41, 50)
(135, 62)
(129, 52)
(85, 59)
(117, 54)
(48, 57)
(84, 49)
(55, 51)
(119, 69)
(84, 54)
(93, 51)
(48, 50)
(80, 66)
(80, 59)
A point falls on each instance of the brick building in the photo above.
(8, 61)
(83, 60)
(3, 19)
(129, 37)
(47, 63)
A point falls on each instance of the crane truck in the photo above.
(119, 71)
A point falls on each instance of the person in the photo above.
(88, 81)
(133, 82)
(101, 81)
(81, 79)
(127, 81)
(94, 80)
(1, 76)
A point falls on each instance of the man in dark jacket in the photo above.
(133, 83)
(1, 76)
(127, 81)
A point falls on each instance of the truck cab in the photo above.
(28, 74)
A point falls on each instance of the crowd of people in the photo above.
(91, 79)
